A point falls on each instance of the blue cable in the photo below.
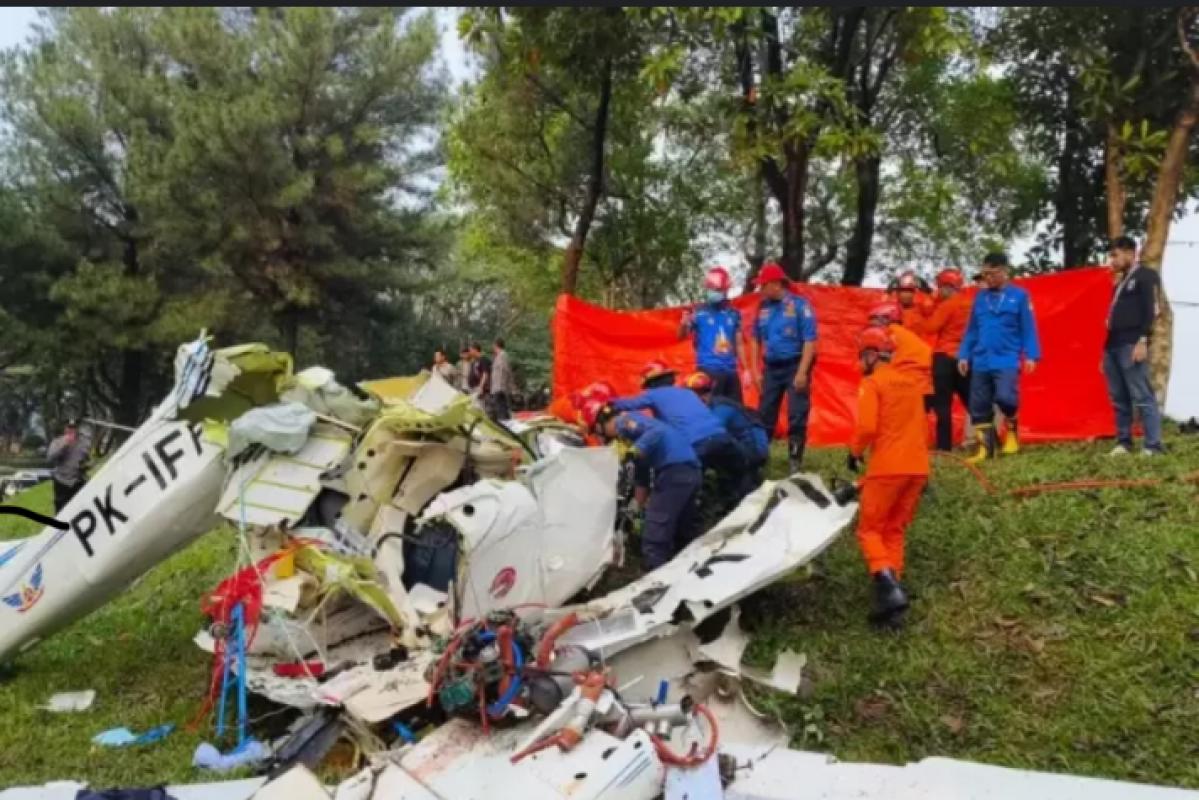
(501, 705)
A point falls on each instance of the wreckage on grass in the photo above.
(406, 559)
(419, 579)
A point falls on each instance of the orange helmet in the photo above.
(908, 280)
(950, 277)
(699, 382)
(887, 309)
(718, 279)
(655, 369)
(875, 339)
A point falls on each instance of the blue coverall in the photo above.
(783, 327)
(671, 516)
(685, 412)
(1001, 329)
(714, 331)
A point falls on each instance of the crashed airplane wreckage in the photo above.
(404, 576)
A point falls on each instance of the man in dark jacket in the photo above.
(1126, 354)
(68, 455)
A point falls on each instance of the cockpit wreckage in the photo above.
(420, 581)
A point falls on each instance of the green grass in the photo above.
(1058, 633)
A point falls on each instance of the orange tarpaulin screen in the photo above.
(1066, 398)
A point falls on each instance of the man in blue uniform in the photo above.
(1001, 331)
(715, 330)
(785, 341)
(671, 518)
(742, 424)
(686, 413)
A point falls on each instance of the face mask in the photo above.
(715, 297)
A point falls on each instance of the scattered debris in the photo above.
(70, 701)
(123, 737)
(247, 754)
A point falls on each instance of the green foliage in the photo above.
(249, 171)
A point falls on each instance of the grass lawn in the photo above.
(1057, 633)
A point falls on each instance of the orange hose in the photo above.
(504, 639)
(545, 648)
(537, 747)
(692, 759)
(974, 470)
(1066, 486)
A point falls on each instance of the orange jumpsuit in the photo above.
(915, 316)
(913, 356)
(947, 324)
(891, 425)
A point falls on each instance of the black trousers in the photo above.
(725, 384)
(499, 407)
(947, 382)
(64, 493)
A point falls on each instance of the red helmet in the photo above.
(600, 390)
(699, 382)
(950, 277)
(876, 339)
(770, 273)
(718, 279)
(908, 280)
(887, 309)
(655, 369)
(590, 413)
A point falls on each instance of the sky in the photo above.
(1181, 279)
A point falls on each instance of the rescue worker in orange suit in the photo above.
(890, 426)
(946, 325)
(715, 329)
(911, 355)
(664, 461)
(914, 302)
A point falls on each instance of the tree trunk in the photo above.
(132, 364)
(595, 185)
(789, 188)
(757, 256)
(1161, 214)
(291, 332)
(857, 252)
(1113, 182)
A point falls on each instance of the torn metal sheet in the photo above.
(275, 489)
(532, 547)
(298, 783)
(154, 495)
(458, 760)
(394, 783)
(779, 527)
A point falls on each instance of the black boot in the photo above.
(795, 450)
(890, 599)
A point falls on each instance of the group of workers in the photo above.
(916, 354)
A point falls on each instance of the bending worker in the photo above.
(664, 458)
(785, 342)
(911, 354)
(946, 325)
(742, 424)
(1001, 331)
(686, 413)
(715, 329)
(890, 425)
